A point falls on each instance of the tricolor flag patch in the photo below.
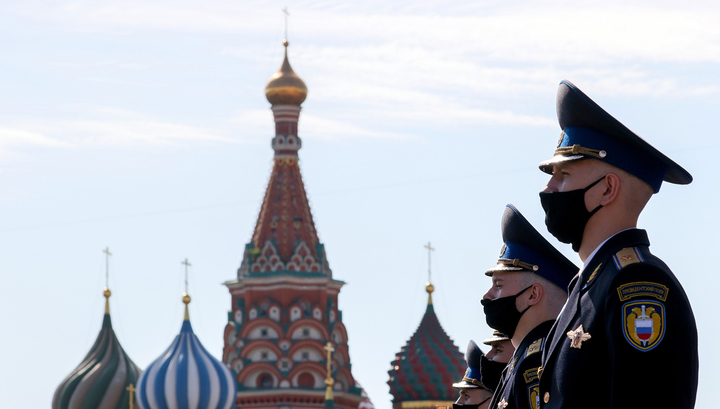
(644, 324)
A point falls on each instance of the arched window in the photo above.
(306, 380)
(264, 381)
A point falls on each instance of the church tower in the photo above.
(422, 373)
(285, 319)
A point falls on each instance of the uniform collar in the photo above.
(535, 334)
(626, 238)
(588, 260)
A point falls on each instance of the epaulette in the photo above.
(626, 257)
(536, 346)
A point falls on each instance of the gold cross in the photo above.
(186, 264)
(430, 249)
(329, 380)
(287, 14)
(131, 389)
(329, 348)
(107, 264)
(577, 337)
(502, 404)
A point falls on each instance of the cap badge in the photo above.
(577, 337)
(502, 250)
(562, 136)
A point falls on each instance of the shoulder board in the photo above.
(536, 346)
(626, 257)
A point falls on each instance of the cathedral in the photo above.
(285, 343)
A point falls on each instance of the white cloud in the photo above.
(17, 136)
(117, 128)
(537, 32)
(429, 63)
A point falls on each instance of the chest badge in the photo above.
(577, 337)
(502, 404)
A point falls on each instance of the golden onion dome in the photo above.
(285, 87)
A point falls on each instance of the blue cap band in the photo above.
(474, 374)
(550, 267)
(632, 159)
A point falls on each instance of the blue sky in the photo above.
(143, 126)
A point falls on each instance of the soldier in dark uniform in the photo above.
(494, 362)
(527, 293)
(627, 319)
(474, 394)
(501, 349)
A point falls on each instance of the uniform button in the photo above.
(546, 398)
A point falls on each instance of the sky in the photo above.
(142, 126)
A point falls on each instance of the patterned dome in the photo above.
(102, 378)
(186, 376)
(426, 367)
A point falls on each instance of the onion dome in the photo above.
(104, 379)
(186, 376)
(285, 87)
(426, 367)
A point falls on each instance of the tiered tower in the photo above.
(422, 374)
(284, 299)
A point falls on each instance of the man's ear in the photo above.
(611, 183)
(536, 294)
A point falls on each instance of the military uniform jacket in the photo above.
(518, 387)
(626, 337)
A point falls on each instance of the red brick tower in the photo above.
(284, 299)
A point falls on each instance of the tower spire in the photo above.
(106, 291)
(428, 286)
(186, 298)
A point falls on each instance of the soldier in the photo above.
(493, 363)
(474, 394)
(527, 293)
(501, 349)
(627, 318)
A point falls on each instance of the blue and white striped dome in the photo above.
(186, 376)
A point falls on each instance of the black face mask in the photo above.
(501, 314)
(471, 406)
(566, 214)
(491, 371)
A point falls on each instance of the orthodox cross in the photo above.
(107, 265)
(329, 380)
(186, 264)
(131, 389)
(287, 14)
(430, 250)
(329, 348)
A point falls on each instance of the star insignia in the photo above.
(502, 404)
(577, 337)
